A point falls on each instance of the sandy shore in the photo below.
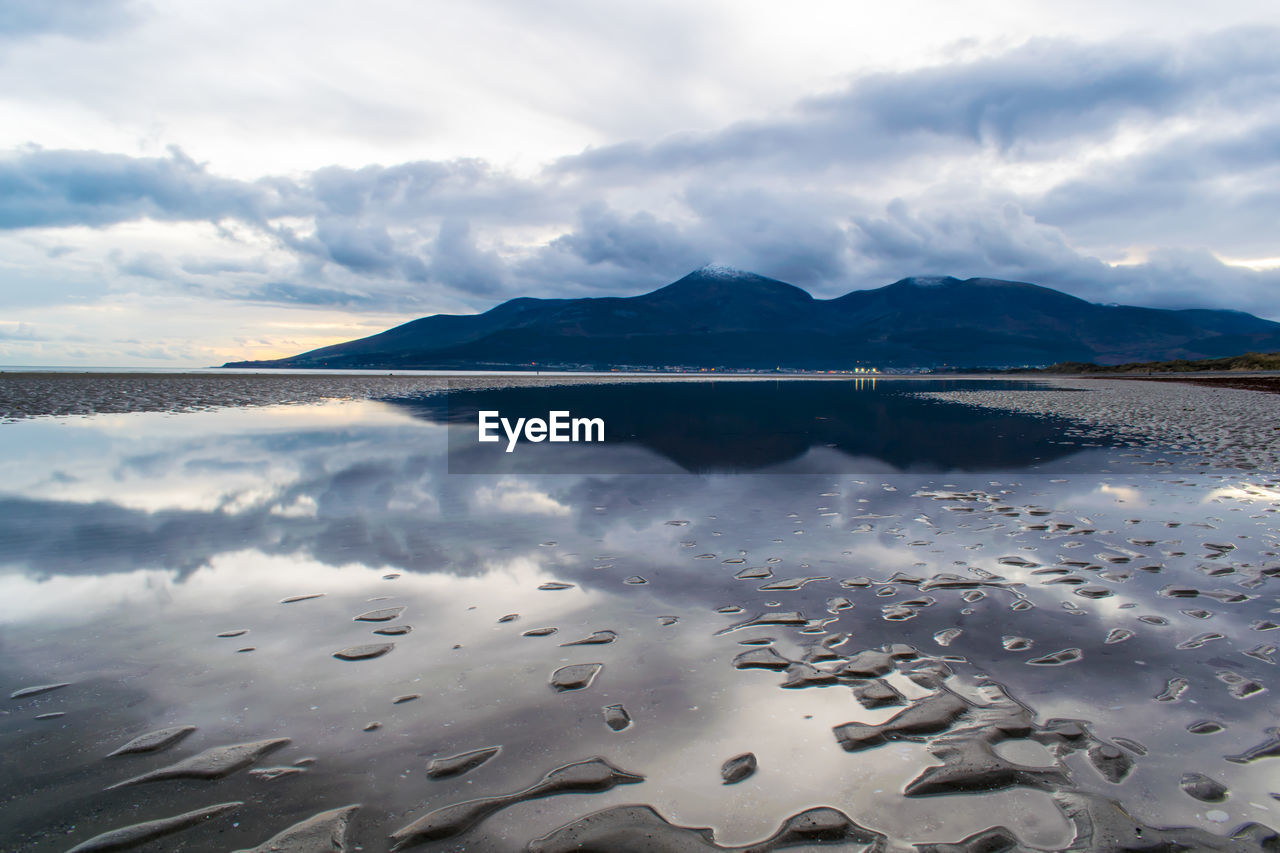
(284, 617)
(1246, 382)
(36, 394)
(1231, 426)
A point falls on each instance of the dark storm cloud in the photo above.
(792, 196)
(964, 240)
(978, 240)
(1210, 184)
(554, 272)
(290, 293)
(359, 246)
(465, 188)
(305, 291)
(796, 236)
(609, 252)
(790, 236)
(636, 241)
(1187, 278)
(40, 188)
(1047, 94)
(1055, 90)
(458, 262)
(356, 210)
(368, 249)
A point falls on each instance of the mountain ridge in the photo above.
(720, 317)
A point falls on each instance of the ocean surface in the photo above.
(780, 614)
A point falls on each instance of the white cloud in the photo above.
(188, 175)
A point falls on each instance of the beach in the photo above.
(279, 605)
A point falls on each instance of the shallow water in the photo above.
(1056, 628)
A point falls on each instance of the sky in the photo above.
(185, 183)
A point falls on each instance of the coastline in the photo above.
(31, 393)
(56, 393)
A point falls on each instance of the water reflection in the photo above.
(151, 536)
(830, 426)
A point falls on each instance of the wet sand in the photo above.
(1223, 425)
(1270, 384)
(246, 635)
(36, 394)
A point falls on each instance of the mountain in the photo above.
(727, 318)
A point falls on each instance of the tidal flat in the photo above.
(766, 615)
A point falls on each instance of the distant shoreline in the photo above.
(76, 392)
(31, 394)
(1266, 381)
(340, 371)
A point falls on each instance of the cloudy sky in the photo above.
(187, 182)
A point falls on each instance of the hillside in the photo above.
(727, 318)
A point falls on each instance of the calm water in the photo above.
(1075, 605)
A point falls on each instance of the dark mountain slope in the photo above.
(719, 317)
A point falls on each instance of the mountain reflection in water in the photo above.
(857, 425)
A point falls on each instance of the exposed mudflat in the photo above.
(1244, 381)
(1227, 426)
(900, 662)
(33, 394)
